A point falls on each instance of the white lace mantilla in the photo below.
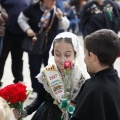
(76, 76)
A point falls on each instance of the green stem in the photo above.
(110, 15)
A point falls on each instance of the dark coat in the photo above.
(3, 18)
(34, 13)
(95, 17)
(99, 98)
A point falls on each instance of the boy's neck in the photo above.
(101, 67)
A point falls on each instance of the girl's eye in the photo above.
(57, 55)
(67, 55)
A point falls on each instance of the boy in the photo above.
(99, 98)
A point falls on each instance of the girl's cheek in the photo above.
(70, 58)
(57, 58)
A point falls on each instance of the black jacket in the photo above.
(95, 17)
(99, 98)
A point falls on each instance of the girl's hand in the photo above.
(59, 14)
(17, 114)
(63, 110)
(30, 32)
(70, 103)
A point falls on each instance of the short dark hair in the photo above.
(105, 44)
(66, 40)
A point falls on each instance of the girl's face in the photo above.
(49, 3)
(63, 52)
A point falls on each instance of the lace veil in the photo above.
(78, 49)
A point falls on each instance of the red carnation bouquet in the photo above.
(15, 95)
(68, 80)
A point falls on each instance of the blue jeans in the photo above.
(1, 44)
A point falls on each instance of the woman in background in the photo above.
(99, 14)
(31, 20)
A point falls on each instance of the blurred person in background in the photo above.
(13, 38)
(118, 4)
(3, 18)
(30, 24)
(59, 4)
(99, 14)
(74, 14)
(70, 12)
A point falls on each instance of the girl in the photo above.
(65, 47)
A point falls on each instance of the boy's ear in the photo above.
(93, 57)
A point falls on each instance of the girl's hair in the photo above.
(66, 40)
(4, 110)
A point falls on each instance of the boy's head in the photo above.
(104, 45)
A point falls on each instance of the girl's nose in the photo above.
(62, 59)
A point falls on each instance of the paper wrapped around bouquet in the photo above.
(55, 83)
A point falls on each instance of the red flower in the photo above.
(67, 65)
(68, 80)
(15, 95)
